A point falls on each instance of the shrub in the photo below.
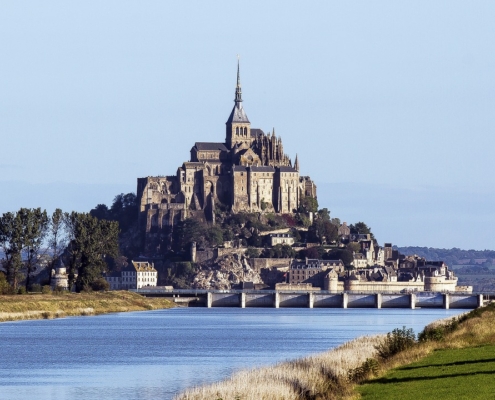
(46, 289)
(4, 285)
(100, 285)
(36, 287)
(396, 341)
(252, 252)
(366, 370)
(21, 290)
(58, 289)
(437, 333)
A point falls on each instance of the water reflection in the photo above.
(152, 355)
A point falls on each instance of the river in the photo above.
(155, 354)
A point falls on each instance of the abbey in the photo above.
(248, 172)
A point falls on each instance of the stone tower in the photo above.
(238, 126)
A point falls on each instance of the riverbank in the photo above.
(340, 373)
(47, 306)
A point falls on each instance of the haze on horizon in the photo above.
(389, 105)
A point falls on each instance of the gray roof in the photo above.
(236, 168)
(210, 146)
(263, 169)
(238, 115)
(255, 132)
(287, 169)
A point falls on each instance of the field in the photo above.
(466, 373)
(39, 306)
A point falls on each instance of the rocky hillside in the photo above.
(224, 272)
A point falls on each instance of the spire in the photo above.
(296, 164)
(238, 91)
(238, 115)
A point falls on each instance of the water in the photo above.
(155, 354)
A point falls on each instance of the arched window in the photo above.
(245, 131)
(237, 130)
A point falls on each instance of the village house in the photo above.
(136, 275)
(281, 238)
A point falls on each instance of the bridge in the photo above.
(317, 299)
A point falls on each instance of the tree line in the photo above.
(30, 239)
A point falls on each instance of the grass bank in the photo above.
(45, 306)
(451, 359)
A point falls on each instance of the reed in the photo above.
(319, 376)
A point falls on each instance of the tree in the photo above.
(308, 204)
(361, 228)
(214, 236)
(92, 240)
(252, 252)
(11, 243)
(188, 231)
(322, 230)
(339, 254)
(34, 227)
(21, 237)
(56, 239)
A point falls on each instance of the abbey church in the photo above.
(248, 172)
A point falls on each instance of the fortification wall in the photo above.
(440, 284)
(373, 287)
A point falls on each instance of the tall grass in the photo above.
(335, 373)
(319, 376)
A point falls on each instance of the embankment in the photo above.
(45, 306)
(339, 373)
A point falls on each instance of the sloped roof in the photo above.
(238, 115)
(210, 146)
(287, 169)
(263, 169)
(255, 132)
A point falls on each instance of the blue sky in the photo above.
(389, 105)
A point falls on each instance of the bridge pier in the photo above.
(345, 300)
(446, 301)
(378, 300)
(412, 300)
(276, 300)
(480, 300)
(311, 299)
(209, 299)
(242, 300)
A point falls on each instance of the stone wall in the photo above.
(374, 287)
(280, 263)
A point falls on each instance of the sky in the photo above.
(389, 105)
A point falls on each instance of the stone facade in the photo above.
(136, 275)
(248, 172)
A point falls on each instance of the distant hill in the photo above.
(474, 268)
(452, 257)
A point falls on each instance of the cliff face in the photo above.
(225, 271)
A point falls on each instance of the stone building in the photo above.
(136, 275)
(249, 172)
(60, 278)
(313, 271)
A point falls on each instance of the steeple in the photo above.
(296, 164)
(238, 125)
(238, 90)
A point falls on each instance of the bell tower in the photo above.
(238, 127)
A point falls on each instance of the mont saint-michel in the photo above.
(248, 172)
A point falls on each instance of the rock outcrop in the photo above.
(224, 272)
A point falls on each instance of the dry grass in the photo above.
(320, 376)
(47, 306)
(326, 376)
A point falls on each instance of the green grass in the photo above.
(467, 373)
